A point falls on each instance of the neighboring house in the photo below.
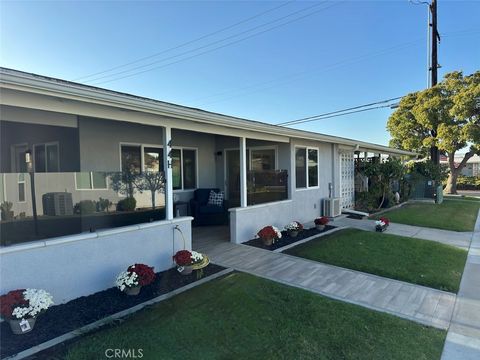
(472, 168)
(81, 142)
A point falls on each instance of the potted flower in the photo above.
(382, 224)
(186, 261)
(269, 234)
(293, 228)
(136, 276)
(21, 308)
(320, 222)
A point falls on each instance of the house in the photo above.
(472, 167)
(74, 156)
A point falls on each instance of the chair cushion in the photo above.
(202, 195)
(216, 198)
(210, 209)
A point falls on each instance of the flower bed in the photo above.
(286, 239)
(63, 318)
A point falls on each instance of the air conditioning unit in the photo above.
(331, 207)
(57, 204)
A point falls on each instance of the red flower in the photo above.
(385, 220)
(10, 301)
(322, 220)
(183, 257)
(268, 232)
(145, 273)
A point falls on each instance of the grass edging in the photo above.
(109, 319)
(286, 247)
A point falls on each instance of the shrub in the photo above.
(127, 204)
(85, 207)
(6, 210)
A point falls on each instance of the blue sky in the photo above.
(344, 55)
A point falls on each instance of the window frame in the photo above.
(266, 147)
(142, 158)
(57, 144)
(91, 181)
(307, 148)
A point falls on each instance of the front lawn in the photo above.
(450, 215)
(416, 261)
(244, 317)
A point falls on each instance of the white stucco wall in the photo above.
(246, 222)
(73, 266)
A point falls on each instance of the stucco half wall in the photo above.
(73, 266)
(246, 222)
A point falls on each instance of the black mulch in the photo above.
(63, 318)
(286, 239)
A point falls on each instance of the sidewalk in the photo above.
(463, 338)
(418, 303)
(454, 238)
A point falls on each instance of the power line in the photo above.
(186, 43)
(204, 46)
(294, 77)
(342, 112)
(221, 46)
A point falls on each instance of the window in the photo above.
(131, 158)
(300, 167)
(262, 159)
(140, 158)
(306, 167)
(21, 187)
(312, 167)
(153, 159)
(184, 169)
(91, 180)
(46, 157)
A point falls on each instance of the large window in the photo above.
(140, 158)
(184, 169)
(46, 157)
(306, 167)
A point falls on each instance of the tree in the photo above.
(446, 115)
(381, 174)
(152, 181)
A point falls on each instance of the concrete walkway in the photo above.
(421, 304)
(453, 238)
(463, 338)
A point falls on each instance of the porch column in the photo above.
(167, 166)
(243, 172)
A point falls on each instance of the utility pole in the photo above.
(434, 154)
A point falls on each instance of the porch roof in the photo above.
(43, 85)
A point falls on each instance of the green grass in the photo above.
(462, 197)
(416, 261)
(450, 215)
(244, 317)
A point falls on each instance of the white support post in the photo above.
(167, 166)
(243, 172)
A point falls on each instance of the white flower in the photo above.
(38, 301)
(278, 232)
(126, 279)
(293, 226)
(196, 257)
